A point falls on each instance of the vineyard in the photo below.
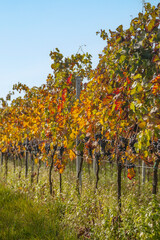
(93, 145)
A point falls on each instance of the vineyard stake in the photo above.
(78, 158)
(155, 175)
(143, 172)
(2, 158)
(26, 164)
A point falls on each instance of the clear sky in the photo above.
(30, 29)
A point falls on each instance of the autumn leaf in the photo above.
(64, 94)
(131, 173)
(69, 79)
(72, 155)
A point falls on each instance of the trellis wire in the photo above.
(126, 164)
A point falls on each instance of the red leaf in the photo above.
(64, 94)
(131, 173)
(69, 79)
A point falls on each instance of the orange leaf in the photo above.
(131, 173)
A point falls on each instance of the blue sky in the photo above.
(30, 29)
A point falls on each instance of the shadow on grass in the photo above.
(21, 218)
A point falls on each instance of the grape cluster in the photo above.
(27, 145)
(26, 142)
(102, 143)
(36, 148)
(109, 155)
(90, 152)
(112, 143)
(132, 141)
(98, 136)
(61, 150)
(123, 143)
(47, 147)
(86, 138)
(130, 165)
(156, 146)
(136, 128)
(32, 146)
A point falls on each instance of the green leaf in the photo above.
(122, 58)
(136, 147)
(133, 91)
(139, 144)
(139, 88)
(94, 111)
(113, 107)
(132, 106)
(150, 26)
(82, 136)
(137, 76)
(80, 147)
(109, 89)
(70, 145)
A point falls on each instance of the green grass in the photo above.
(21, 218)
(30, 212)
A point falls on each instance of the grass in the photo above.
(21, 218)
(93, 215)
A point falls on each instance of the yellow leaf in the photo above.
(72, 135)
(36, 160)
(72, 155)
(142, 125)
(146, 154)
(61, 170)
(4, 150)
(51, 145)
(101, 121)
(25, 135)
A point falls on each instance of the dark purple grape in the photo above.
(61, 150)
(47, 147)
(102, 143)
(98, 136)
(86, 139)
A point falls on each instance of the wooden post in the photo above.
(6, 165)
(2, 158)
(119, 168)
(14, 163)
(50, 170)
(97, 156)
(78, 159)
(94, 165)
(79, 173)
(32, 167)
(139, 178)
(143, 172)
(155, 176)
(20, 165)
(38, 171)
(60, 182)
(26, 163)
(50, 175)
